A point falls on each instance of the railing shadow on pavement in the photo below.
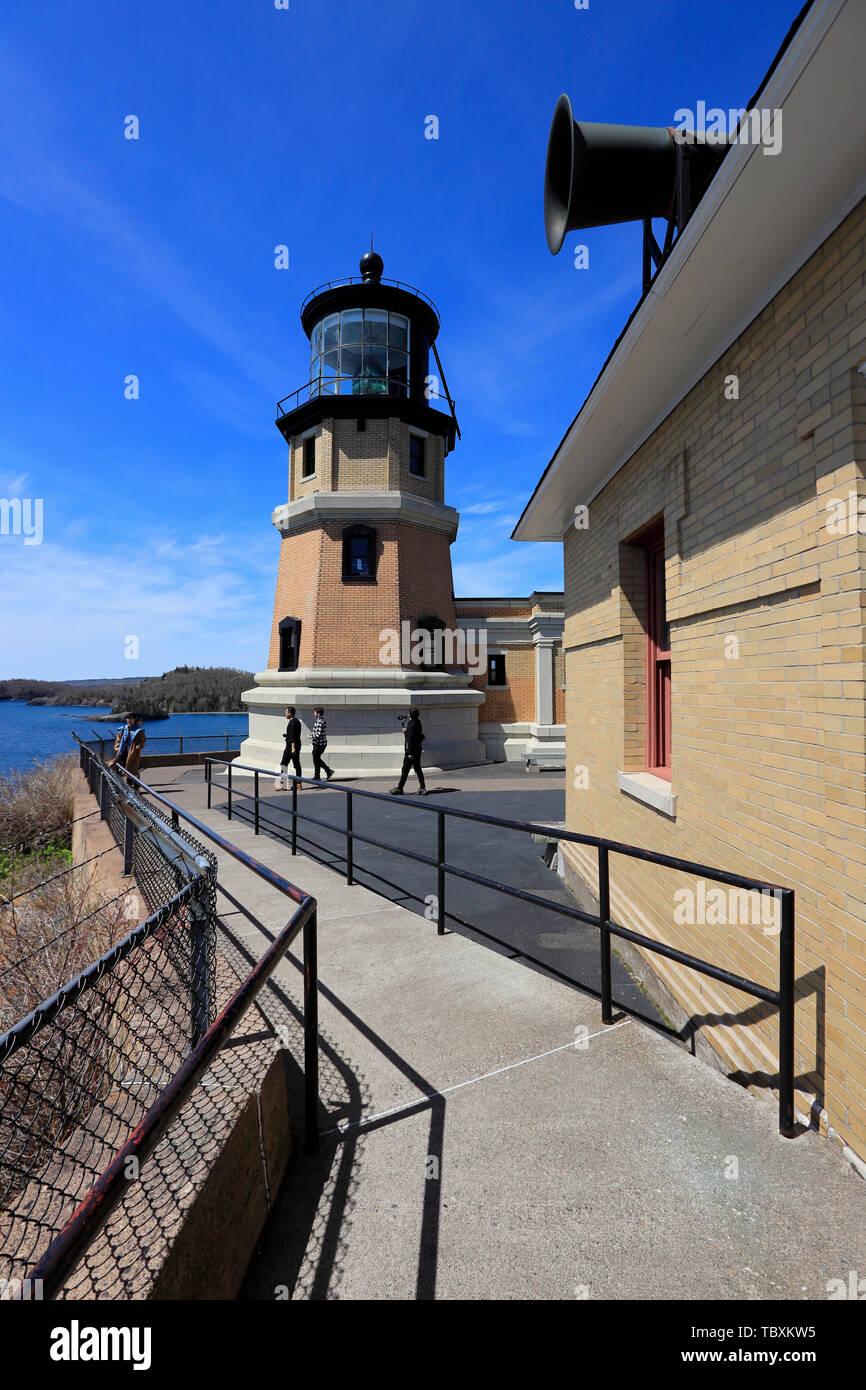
(781, 999)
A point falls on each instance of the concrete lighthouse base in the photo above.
(365, 738)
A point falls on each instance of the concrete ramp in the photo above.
(486, 1137)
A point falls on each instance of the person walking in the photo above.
(128, 745)
(413, 737)
(319, 742)
(291, 751)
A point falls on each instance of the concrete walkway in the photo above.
(485, 1137)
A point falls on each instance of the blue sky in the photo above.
(155, 257)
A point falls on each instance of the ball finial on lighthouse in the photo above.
(372, 265)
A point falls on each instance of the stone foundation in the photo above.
(365, 738)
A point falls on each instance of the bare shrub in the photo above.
(36, 802)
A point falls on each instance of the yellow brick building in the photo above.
(711, 501)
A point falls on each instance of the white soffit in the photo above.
(760, 220)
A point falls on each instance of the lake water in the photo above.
(31, 732)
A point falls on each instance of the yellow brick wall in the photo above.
(515, 702)
(769, 744)
(375, 459)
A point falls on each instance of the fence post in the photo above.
(199, 1000)
(604, 933)
(175, 820)
(311, 1035)
(256, 802)
(208, 768)
(786, 1016)
(103, 798)
(350, 842)
(180, 742)
(294, 815)
(230, 793)
(128, 843)
(227, 743)
(440, 876)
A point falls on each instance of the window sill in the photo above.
(307, 477)
(496, 687)
(359, 579)
(651, 790)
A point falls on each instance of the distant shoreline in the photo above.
(186, 713)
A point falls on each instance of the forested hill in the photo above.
(181, 691)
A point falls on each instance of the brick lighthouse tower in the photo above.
(366, 539)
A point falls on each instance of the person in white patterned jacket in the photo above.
(319, 742)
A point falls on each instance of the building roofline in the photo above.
(784, 72)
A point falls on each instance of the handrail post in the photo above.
(786, 1016)
(199, 999)
(440, 875)
(175, 820)
(128, 844)
(604, 933)
(180, 741)
(256, 802)
(230, 793)
(311, 1035)
(227, 744)
(294, 815)
(350, 843)
(208, 769)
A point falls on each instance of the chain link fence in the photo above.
(80, 1070)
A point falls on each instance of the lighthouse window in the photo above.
(375, 326)
(398, 332)
(417, 462)
(352, 326)
(359, 553)
(309, 466)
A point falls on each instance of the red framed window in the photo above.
(658, 656)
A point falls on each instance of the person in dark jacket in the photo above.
(413, 737)
(319, 742)
(291, 751)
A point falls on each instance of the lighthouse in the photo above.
(365, 541)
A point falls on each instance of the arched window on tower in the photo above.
(290, 643)
(359, 553)
(435, 647)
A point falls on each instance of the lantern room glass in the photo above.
(360, 352)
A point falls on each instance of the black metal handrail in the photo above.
(781, 997)
(319, 388)
(169, 745)
(358, 280)
(79, 1232)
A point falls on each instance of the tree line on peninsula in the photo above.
(185, 690)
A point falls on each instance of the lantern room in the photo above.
(371, 341)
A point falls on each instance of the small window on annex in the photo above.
(496, 668)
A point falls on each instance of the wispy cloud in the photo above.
(67, 613)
